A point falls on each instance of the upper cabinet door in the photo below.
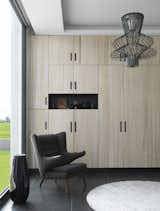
(86, 79)
(68, 46)
(63, 49)
(94, 50)
(38, 72)
(61, 79)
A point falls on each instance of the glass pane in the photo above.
(5, 87)
(10, 89)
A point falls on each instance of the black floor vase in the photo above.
(20, 179)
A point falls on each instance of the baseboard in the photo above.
(122, 170)
(33, 172)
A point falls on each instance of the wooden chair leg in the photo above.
(66, 186)
(55, 181)
(41, 182)
(84, 183)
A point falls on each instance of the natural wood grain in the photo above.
(94, 50)
(37, 120)
(137, 139)
(59, 121)
(86, 77)
(38, 72)
(86, 135)
(62, 49)
(60, 77)
(110, 115)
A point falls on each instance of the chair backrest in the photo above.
(47, 146)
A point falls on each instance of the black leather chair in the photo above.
(52, 156)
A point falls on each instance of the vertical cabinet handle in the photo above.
(70, 56)
(75, 126)
(45, 100)
(45, 125)
(70, 84)
(125, 126)
(75, 85)
(71, 127)
(75, 57)
(120, 126)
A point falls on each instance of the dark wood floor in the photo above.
(51, 198)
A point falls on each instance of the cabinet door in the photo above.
(155, 115)
(76, 51)
(86, 135)
(56, 50)
(86, 79)
(137, 141)
(94, 50)
(110, 116)
(61, 49)
(38, 73)
(68, 46)
(89, 50)
(62, 120)
(61, 79)
(37, 124)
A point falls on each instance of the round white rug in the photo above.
(126, 196)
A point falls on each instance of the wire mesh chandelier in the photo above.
(133, 45)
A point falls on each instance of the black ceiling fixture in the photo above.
(133, 45)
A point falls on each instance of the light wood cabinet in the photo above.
(37, 124)
(124, 131)
(154, 107)
(38, 73)
(61, 79)
(94, 50)
(129, 116)
(81, 127)
(86, 79)
(64, 50)
(86, 135)
(110, 116)
(137, 120)
(73, 79)
(62, 120)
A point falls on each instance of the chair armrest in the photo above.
(55, 161)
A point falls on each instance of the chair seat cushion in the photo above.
(69, 170)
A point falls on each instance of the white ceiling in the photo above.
(45, 15)
(89, 16)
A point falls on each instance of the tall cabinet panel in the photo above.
(38, 72)
(137, 124)
(110, 116)
(37, 124)
(62, 120)
(155, 114)
(86, 135)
